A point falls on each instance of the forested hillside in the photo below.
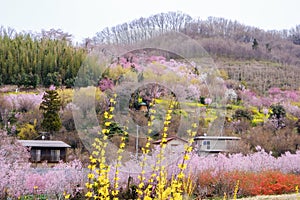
(262, 59)
(50, 57)
(219, 36)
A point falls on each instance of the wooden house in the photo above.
(46, 150)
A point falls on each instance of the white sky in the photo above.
(83, 18)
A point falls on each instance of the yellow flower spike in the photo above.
(91, 167)
(163, 140)
(141, 185)
(169, 111)
(236, 188)
(110, 116)
(181, 175)
(122, 145)
(167, 123)
(105, 114)
(115, 95)
(186, 157)
(225, 196)
(188, 149)
(168, 117)
(104, 130)
(191, 140)
(88, 185)
(111, 109)
(182, 166)
(67, 196)
(91, 176)
(194, 125)
(89, 194)
(107, 123)
(152, 111)
(139, 177)
(165, 129)
(140, 100)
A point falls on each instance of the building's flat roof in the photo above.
(216, 138)
(43, 143)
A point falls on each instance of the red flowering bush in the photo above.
(268, 182)
(250, 183)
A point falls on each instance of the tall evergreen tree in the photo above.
(50, 107)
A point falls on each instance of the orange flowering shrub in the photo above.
(268, 183)
(250, 183)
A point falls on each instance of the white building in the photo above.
(206, 145)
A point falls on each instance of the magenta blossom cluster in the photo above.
(275, 96)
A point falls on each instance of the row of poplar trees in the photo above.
(47, 58)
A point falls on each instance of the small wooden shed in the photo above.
(174, 144)
(49, 151)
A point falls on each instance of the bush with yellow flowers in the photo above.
(157, 183)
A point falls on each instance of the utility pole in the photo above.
(137, 142)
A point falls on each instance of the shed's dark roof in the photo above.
(43, 143)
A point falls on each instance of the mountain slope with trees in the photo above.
(49, 57)
(262, 59)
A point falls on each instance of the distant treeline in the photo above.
(219, 36)
(144, 28)
(38, 59)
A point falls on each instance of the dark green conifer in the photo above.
(50, 107)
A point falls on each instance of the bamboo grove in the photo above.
(42, 59)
